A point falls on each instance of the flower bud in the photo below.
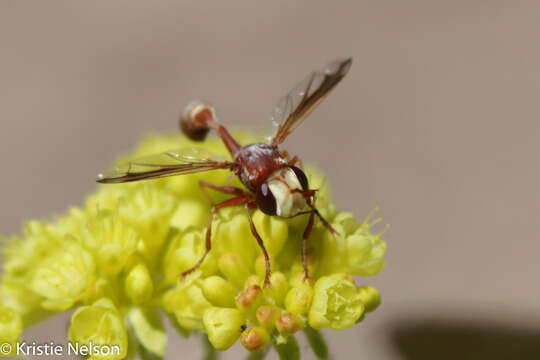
(138, 285)
(336, 304)
(249, 299)
(10, 325)
(255, 338)
(347, 221)
(183, 252)
(279, 288)
(100, 324)
(343, 276)
(190, 212)
(223, 326)
(267, 316)
(253, 280)
(298, 299)
(370, 297)
(188, 303)
(289, 323)
(272, 229)
(111, 258)
(234, 269)
(233, 234)
(219, 291)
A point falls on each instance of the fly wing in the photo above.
(174, 162)
(305, 97)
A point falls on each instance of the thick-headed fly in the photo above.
(273, 182)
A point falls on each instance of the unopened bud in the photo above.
(219, 291)
(298, 299)
(252, 280)
(279, 287)
(249, 299)
(370, 297)
(138, 285)
(255, 338)
(267, 316)
(234, 269)
(343, 276)
(223, 326)
(289, 323)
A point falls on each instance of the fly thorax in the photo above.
(284, 185)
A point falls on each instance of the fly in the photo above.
(272, 180)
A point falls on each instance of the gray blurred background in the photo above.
(437, 123)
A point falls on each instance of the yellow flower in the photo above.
(116, 261)
(223, 326)
(139, 286)
(99, 324)
(10, 325)
(111, 240)
(336, 304)
(63, 278)
(187, 303)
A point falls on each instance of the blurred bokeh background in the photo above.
(438, 123)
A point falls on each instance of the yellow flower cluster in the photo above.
(118, 258)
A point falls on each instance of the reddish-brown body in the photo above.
(254, 163)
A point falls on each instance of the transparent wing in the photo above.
(305, 97)
(174, 162)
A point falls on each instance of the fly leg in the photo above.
(241, 198)
(307, 231)
(326, 224)
(296, 160)
(292, 161)
(233, 190)
(261, 244)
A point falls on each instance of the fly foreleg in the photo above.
(305, 236)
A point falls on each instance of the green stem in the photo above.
(289, 350)
(317, 343)
(210, 353)
(258, 355)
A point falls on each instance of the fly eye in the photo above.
(266, 200)
(301, 177)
